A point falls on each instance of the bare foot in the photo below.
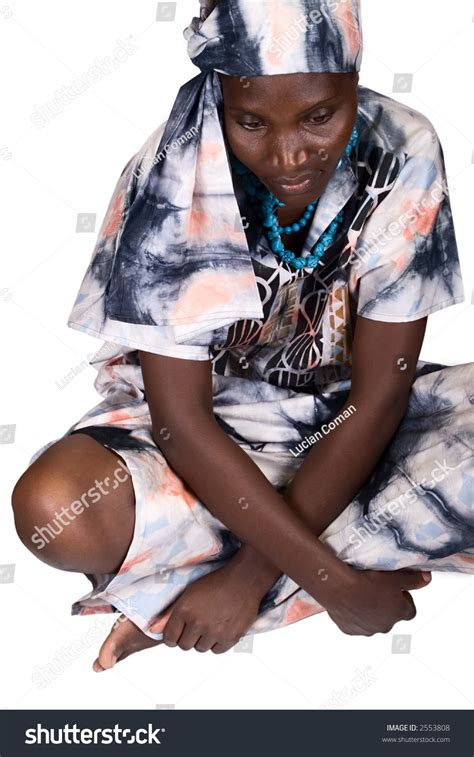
(124, 639)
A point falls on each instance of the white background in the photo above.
(70, 166)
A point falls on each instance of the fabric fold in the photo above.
(181, 259)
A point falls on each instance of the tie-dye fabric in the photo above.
(395, 258)
(180, 229)
(415, 511)
(181, 267)
(280, 380)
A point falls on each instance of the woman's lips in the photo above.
(301, 188)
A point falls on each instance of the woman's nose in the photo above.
(288, 159)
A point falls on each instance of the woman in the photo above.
(263, 279)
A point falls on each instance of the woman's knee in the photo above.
(57, 507)
(41, 501)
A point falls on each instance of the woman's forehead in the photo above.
(298, 88)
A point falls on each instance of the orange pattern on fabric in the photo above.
(347, 21)
(209, 290)
(113, 222)
(173, 486)
(126, 566)
(301, 609)
(424, 221)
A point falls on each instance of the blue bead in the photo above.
(295, 227)
(303, 223)
(287, 229)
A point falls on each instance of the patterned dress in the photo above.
(279, 382)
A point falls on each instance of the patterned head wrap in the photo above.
(181, 256)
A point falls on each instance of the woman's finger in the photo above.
(221, 647)
(205, 643)
(188, 638)
(411, 610)
(173, 630)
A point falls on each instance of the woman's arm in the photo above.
(225, 478)
(275, 538)
(384, 358)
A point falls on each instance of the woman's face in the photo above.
(287, 126)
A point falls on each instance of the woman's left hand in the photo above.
(213, 613)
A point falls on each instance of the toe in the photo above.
(124, 639)
(111, 649)
(109, 652)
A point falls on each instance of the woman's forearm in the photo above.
(231, 485)
(338, 465)
(330, 476)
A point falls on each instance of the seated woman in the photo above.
(269, 444)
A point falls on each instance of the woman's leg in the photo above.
(90, 536)
(96, 540)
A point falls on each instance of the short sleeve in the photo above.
(88, 312)
(406, 262)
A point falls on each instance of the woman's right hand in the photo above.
(373, 601)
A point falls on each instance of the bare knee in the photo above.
(62, 507)
(41, 504)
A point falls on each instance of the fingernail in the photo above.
(426, 577)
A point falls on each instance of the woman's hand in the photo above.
(373, 601)
(214, 612)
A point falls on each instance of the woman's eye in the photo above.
(254, 125)
(250, 124)
(320, 119)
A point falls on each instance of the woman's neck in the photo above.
(288, 215)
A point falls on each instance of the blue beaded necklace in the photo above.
(267, 204)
